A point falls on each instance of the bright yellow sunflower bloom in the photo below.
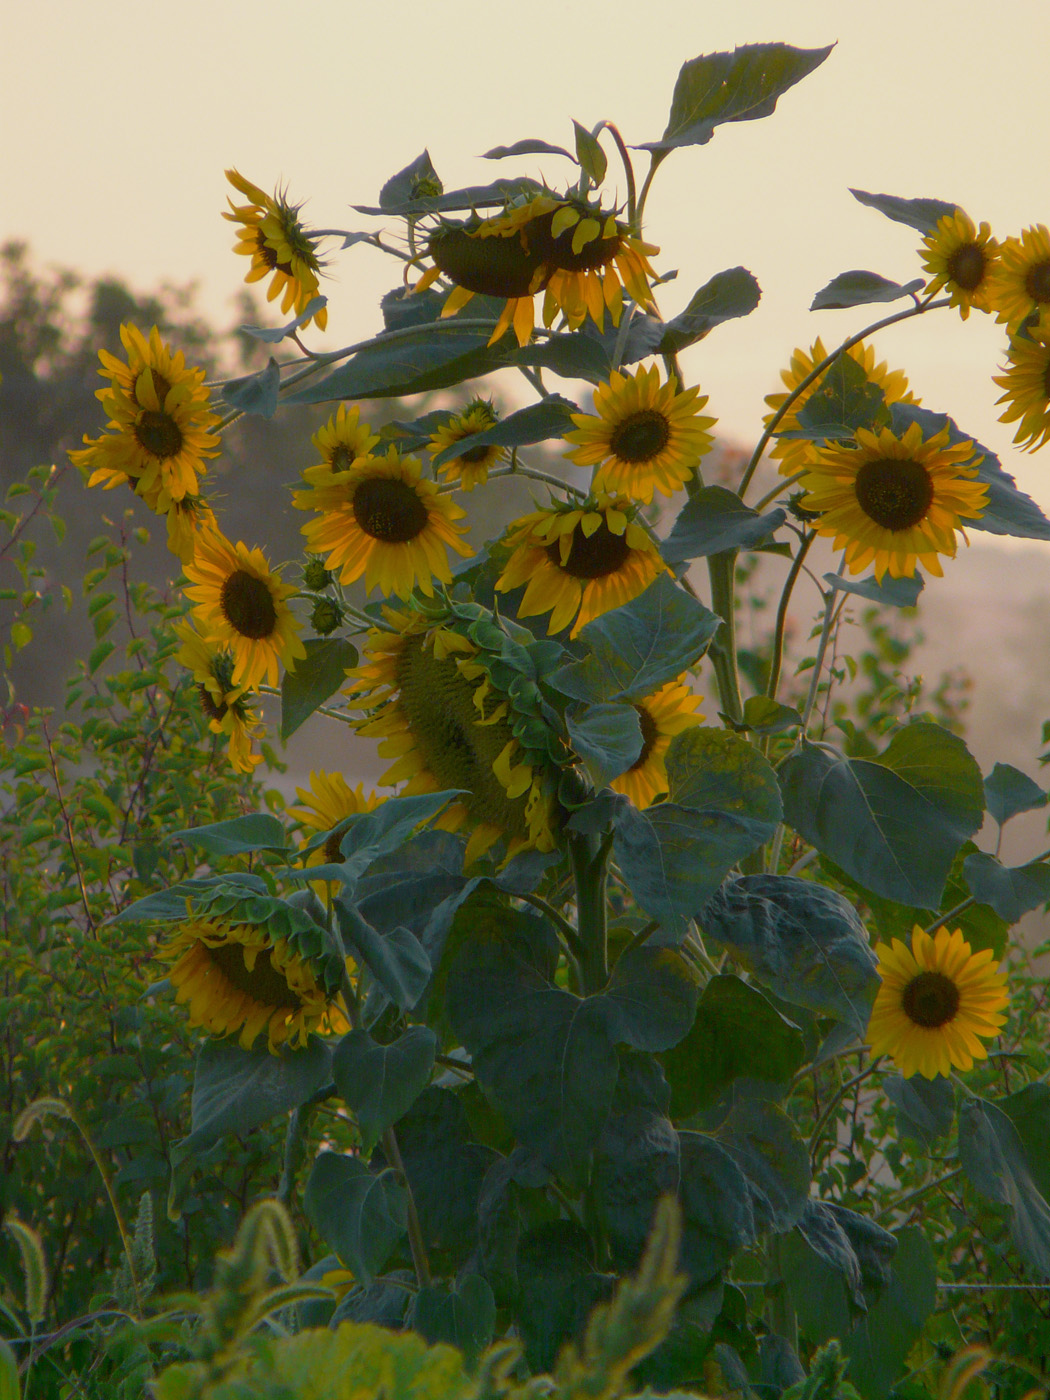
(240, 604)
(1021, 285)
(272, 235)
(238, 979)
(344, 441)
(1027, 385)
(662, 715)
(227, 707)
(895, 500)
(645, 436)
(382, 519)
(937, 1000)
(472, 469)
(578, 562)
(963, 260)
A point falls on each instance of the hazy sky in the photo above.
(119, 117)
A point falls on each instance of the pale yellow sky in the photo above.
(119, 116)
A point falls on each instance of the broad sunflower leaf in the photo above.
(880, 1342)
(380, 1083)
(636, 1163)
(498, 193)
(589, 154)
(726, 296)
(894, 824)
(255, 393)
(462, 1313)
(993, 1156)
(891, 592)
(837, 1264)
(397, 960)
(607, 737)
(732, 87)
(859, 288)
(737, 1034)
(1029, 1111)
(358, 1213)
(405, 184)
(1009, 511)
(844, 401)
(634, 650)
(172, 902)
(1008, 791)
(717, 1211)
(317, 676)
(369, 836)
(1011, 891)
(921, 214)
(767, 1148)
(576, 355)
(258, 831)
(925, 1107)
(651, 998)
(559, 1288)
(550, 418)
(715, 519)
(803, 940)
(528, 146)
(272, 335)
(414, 361)
(765, 716)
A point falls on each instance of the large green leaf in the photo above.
(925, 1107)
(589, 153)
(402, 202)
(636, 1163)
(879, 1344)
(994, 1158)
(732, 87)
(463, 1314)
(767, 1148)
(559, 1289)
(891, 592)
(921, 214)
(539, 422)
(1010, 890)
(397, 960)
(843, 401)
(380, 1083)
(317, 676)
(803, 940)
(728, 295)
(894, 824)
(370, 836)
(859, 288)
(257, 393)
(258, 831)
(1029, 1111)
(651, 998)
(715, 519)
(737, 1034)
(717, 1211)
(608, 737)
(358, 1213)
(836, 1264)
(1008, 791)
(406, 184)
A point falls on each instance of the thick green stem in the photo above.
(589, 867)
(420, 1262)
(778, 631)
(722, 653)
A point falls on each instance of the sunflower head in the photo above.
(228, 708)
(662, 715)
(1027, 385)
(344, 441)
(895, 500)
(962, 259)
(272, 235)
(472, 469)
(1021, 286)
(938, 1002)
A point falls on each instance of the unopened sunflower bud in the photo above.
(325, 617)
(799, 511)
(315, 576)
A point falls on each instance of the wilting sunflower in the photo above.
(441, 718)
(937, 1000)
(662, 715)
(645, 437)
(472, 469)
(237, 977)
(272, 235)
(344, 440)
(578, 562)
(795, 453)
(240, 604)
(1027, 385)
(384, 520)
(227, 707)
(894, 500)
(159, 421)
(326, 805)
(962, 259)
(1021, 285)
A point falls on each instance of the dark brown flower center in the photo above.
(650, 734)
(247, 605)
(1046, 380)
(332, 847)
(895, 494)
(495, 267)
(158, 434)
(269, 256)
(966, 266)
(931, 999)
(641, 436)
(209, 706)
(1037, 282)
(389, 510)
(592, 556)
(264, 984)
(558, 252)
(341, 458)
(475, 454)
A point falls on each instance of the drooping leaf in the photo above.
(636, 1163)
(370, 836)
(715, 519)
(559, 1288)
(589, 153)
(1011, 891)
(258, 831)
(843, 401)
(1029, 1111)
(171, 903)
(404, 186)
(764, 716)
(358, 1213)
(921, 214)
(732, 87)
(993, 1157)
(651, 998)
(767, 1148)
(880, 1342)
(498, 193)
(859, 288)
(1008, 791)
(273, 335)
(607, 737)
(836, 1265)
(380, 1083)
(925, 1107)
(866, 814)
(317, 676)
(397, 960)
(538, 423)
(463, 1314)
(726, 296)
(892, 592)
(717, 1210)
(255, 393)
(530, 146)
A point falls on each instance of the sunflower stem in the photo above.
(781, 1312)
(921, 1191)
(778, 632)
(293, 1152)
(589, 867)
(721, 568)
(558, 920)
(822, 649)
(420, 1262)
(628, 170)
(818, 1131)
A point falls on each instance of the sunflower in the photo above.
(344, 440)
(228, 707)
(578, 254)
(937, 999)
(472, 469)
(962, 259)
(159, 420)
(578, 562)
(273, 237)
(326, 805)
(240, 604)
(435, 707)
(662, 715)
(238, 977)
(383, 520)
(1027, 385)
(645, 437)
(794, 454)
(1021, 284)
(895, 500)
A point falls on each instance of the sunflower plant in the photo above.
(589, 946)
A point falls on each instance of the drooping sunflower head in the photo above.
(645, 436)
(579, 561)
(662, 715)
(473, 467)
(384, 520)
(1027, 385)
(794, 454)
(962, 259)
(240, 604)
(273, 236)
(158, 435)
(433, 701)
(242, 979)
(938, 1002)
(895, 500)
(228, 707)
(1021, 285)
